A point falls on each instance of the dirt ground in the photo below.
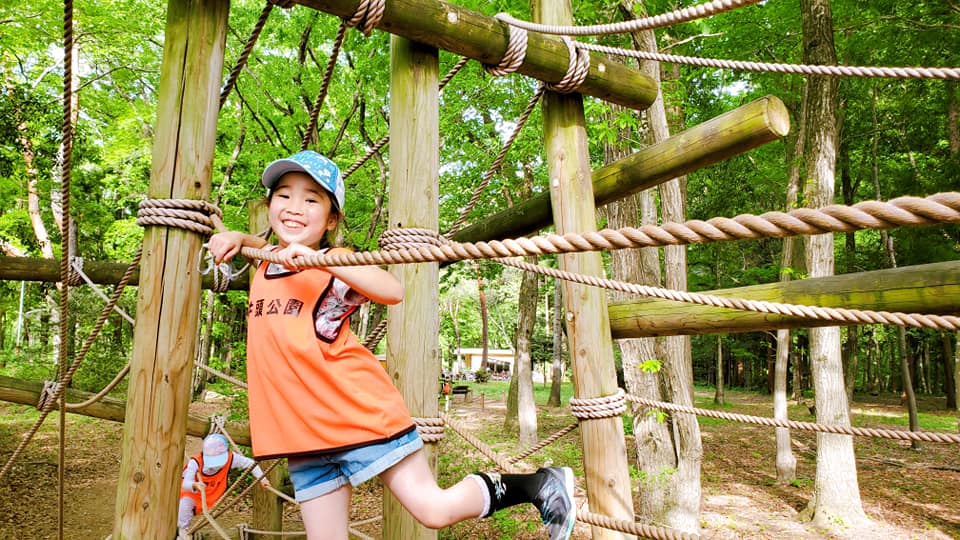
(906, 493)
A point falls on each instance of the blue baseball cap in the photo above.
(319, 167)
(215, 450)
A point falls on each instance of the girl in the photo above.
(320, 399)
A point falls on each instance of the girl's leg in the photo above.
(412, 482)
(185, 512)
(326, 517)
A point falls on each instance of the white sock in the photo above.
(485, 491)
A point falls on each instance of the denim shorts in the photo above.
(315, 476)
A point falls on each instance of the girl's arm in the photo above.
(226, 245)
(373, 282)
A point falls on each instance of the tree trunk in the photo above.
(953, 117)
(524, 409)
(718, 396)
(836, 495)
(521, 405)
(484, 318)
(949, 370)
(673, 499)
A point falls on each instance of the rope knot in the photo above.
(74, 278)
(599, 407)
(578, 67)
(367, 16)
(430, 429)
(412, 238)
(194, 215)
(516, 50)
(48, 395)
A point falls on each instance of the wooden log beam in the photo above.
(715, 140)
(24, 392)
(101, 273)
(468, 33)
(929, 288)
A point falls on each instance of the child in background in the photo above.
(210, 467)
(320, 399)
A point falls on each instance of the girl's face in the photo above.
(300, 211)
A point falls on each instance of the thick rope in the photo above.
(67, 225)
(430, 429)
(638, 529)
(647, 23)
(383, 141)
(903, 211)
(368, 15)
(485, 449)
(194, 215)
(324, 86)
(802, 69)
(206, 511)
(599, 407)
(497, 162)
(804, 426)
(543, 443)
(820, 313)
(578, 67)
(245, 54)
(375, 335)
(106, 390)
(514, 55)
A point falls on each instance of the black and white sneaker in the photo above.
(554, 499)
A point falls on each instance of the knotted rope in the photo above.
(903, 211)
(430, 429)
(515, 53)
(578, 67)
(599, 407)
(194, 215)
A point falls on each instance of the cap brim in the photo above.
(278, 168)
(213, 461)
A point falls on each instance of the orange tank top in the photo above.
(216, 483)
(313, 387)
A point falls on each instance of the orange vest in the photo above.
(216, 483)
(312, 391)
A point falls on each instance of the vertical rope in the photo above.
(67, 150)
(324, 86)
(245, 54)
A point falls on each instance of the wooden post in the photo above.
(267, 507)
(413, 328)
(591, 349)
(169, 294)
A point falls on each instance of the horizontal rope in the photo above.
(903, 211)
(802, 69)
(647, 23)
(803, 426)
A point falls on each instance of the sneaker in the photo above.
(554, 499)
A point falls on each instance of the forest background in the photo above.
(895, 137)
